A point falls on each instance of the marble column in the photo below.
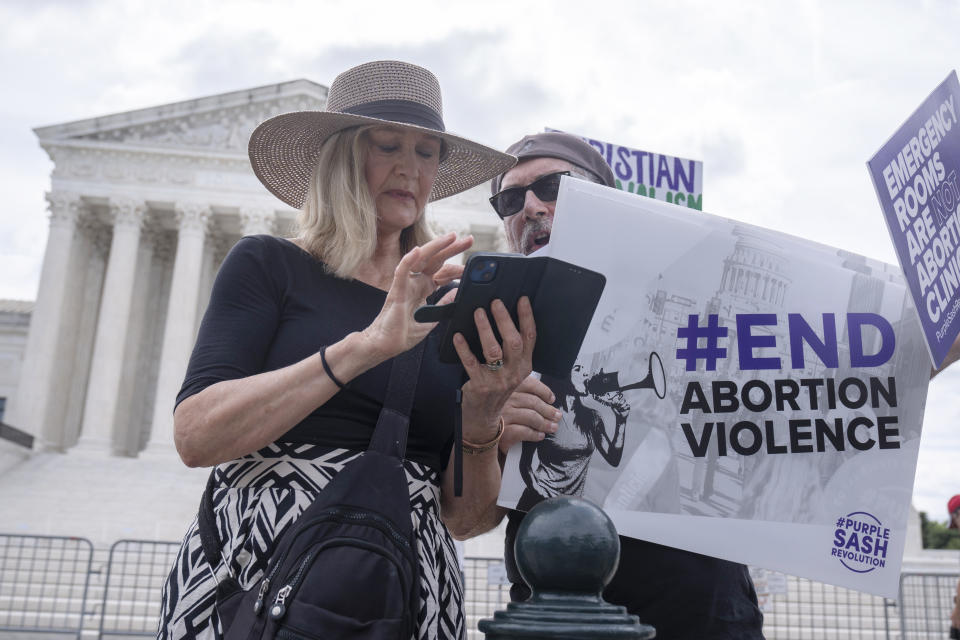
(256, 220)
(82, 306)
(32, 408)
(143, 309)
(180, 329)
(216, 248)
(106, 367)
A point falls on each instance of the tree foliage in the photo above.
(936, 535)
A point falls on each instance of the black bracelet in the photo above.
(326, 367)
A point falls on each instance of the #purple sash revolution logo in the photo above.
(860, 542)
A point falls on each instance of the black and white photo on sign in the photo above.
(733, 373)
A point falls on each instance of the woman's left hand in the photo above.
(507, 365)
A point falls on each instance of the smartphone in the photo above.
(563, 296)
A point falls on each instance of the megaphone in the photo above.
(603, 383)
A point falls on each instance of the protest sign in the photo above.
(655, 175)
(740, 393)
(915, 175)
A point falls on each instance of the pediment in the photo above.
(216, 123)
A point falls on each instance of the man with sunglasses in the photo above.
(682, 594)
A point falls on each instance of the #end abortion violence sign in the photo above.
(740, 393)
(916, 178)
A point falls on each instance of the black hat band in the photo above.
(403, 111)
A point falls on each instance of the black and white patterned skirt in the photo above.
(257, 497)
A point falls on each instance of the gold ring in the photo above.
(494, 365)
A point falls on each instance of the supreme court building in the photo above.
(143, 207)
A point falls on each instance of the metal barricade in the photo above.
(797, 609)
(485, 590)
(131, 596)
(926, 600)
(806, 609)
(44, 582)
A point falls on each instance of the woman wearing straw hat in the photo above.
(292, 359)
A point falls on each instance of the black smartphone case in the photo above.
(563, 296)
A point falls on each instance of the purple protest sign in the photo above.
(915, 175)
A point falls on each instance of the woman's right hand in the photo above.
(418, 274)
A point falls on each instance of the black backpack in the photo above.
(347, 568)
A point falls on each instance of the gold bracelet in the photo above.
(475, 449)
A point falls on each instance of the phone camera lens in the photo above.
(483, 271)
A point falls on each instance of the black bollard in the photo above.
(567, 551)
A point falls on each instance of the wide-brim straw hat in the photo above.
(284, 149)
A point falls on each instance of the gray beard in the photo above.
(532, 230)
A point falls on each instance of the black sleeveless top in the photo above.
(272, 305)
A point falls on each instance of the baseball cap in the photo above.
(952, 505)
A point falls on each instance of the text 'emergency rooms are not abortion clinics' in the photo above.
(916, 175)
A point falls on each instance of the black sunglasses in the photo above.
(510, 201)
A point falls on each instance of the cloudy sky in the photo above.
(783, 102)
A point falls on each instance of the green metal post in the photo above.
(567, 551)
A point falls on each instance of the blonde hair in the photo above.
(338, 221)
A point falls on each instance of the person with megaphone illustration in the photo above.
(595, 414)
(557, 465)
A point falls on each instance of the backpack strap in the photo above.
(458, 446)
(207, 525)
(390, 435)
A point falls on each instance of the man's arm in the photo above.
(489, 518)
(527, 417)
(492, 516)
